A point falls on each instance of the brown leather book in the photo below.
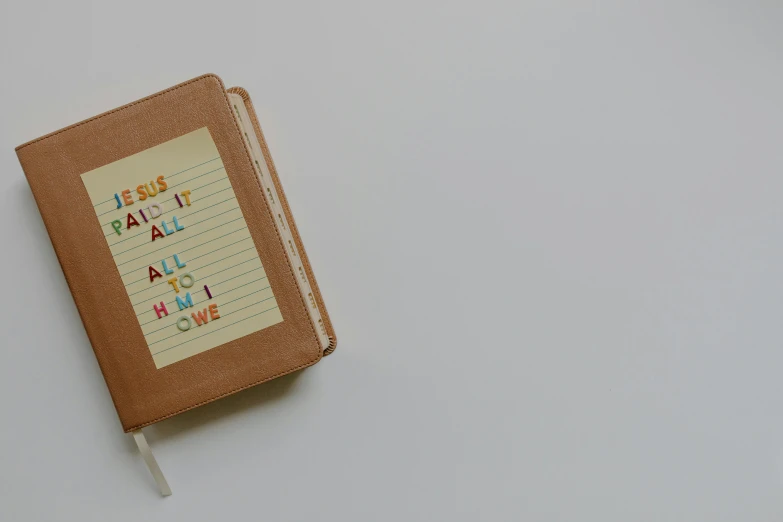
(180, 249)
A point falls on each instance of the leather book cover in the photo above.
(179, 248)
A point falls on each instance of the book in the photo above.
(178, 244)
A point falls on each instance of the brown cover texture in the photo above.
(141, 393)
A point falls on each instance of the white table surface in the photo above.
(548, 233)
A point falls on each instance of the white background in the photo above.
(548, 234)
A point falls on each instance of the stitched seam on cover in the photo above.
(236, 390)
(118, 109)
(240, 91)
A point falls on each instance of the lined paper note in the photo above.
(182, 247)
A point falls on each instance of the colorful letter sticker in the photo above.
(207, 242)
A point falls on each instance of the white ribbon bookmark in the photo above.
(152, 464)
